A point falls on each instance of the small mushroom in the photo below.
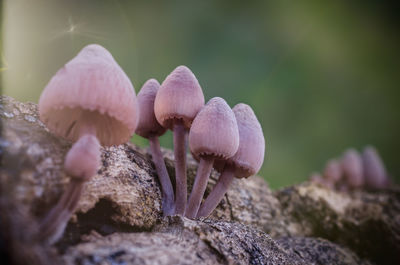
(332, 171)
(148, 127)
(352, 169)
(89, 101)
(177, 103)
(214, 134)
(246, 162)
(316, 178)
(374, 169)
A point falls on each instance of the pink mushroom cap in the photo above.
(214, 131)
(84, 158)
(179, 97)
(250, 154)
(352, 168)
(333, 171)
(90, 85)
(148, 124)
(374, 169)
(319, 180)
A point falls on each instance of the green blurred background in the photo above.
(321, 76)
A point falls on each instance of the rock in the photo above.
(366, 222)
(319, 251)
(178, 240)
(119, 221)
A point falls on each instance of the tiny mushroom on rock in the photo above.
(316, 178)
(374, 169)
(246, 162)
(332, 172)
(148, 127)
(214, 134)
(89, 101)
(354, 171)
(320, 180)
(177, 103)
(352, 167)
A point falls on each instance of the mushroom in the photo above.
(246, 162)
(352, 169)
(374, 169)
(89, 101)
(148, 127)
(214, 134)
(332, 172)
(316, 178)
(177, 103)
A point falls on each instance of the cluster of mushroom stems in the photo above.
(354, 170)
(92, 102)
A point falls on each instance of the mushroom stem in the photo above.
(81, 163)
(53, 225)
(218, 192)
(180, 147)
(168, 204)
(199, 186)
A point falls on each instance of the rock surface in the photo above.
(119, 221)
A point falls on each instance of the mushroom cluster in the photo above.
(92, 102)
(354, 171)
(229, 140)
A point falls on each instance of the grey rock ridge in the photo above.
(119, 219)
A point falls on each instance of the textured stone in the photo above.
(319, 251)
(178, 240)
(366, 222)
